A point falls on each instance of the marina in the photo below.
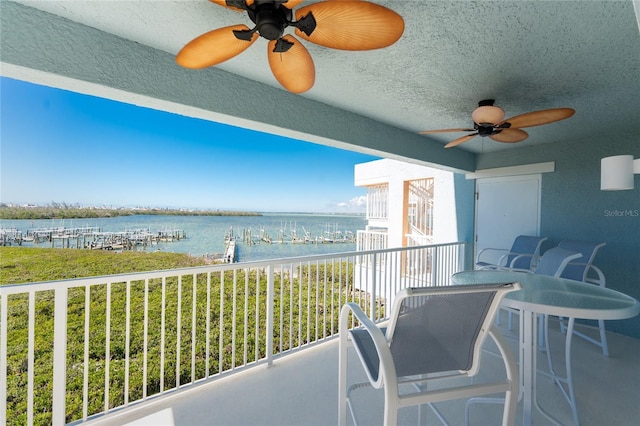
(89, 237)
(268, 236)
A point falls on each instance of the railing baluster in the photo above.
(233, 320)
(374, 267)
(281, 304)
(221, 325)
(145, 338)
(193, 327)
(178, 330)
(324, 302)
(4, 305)
(107, 347)
(246, 315)
(30, 366)
(308, 302)
(58, 409)
(317, 298)
(333, 287)
(270, 312)
(85, 373)
(163, 313)
(300, 281)
(291, 284)
(208, 325)
(127, 341)
(257, 317)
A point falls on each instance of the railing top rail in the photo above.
(140, 276)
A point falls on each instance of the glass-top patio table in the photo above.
(542, 294)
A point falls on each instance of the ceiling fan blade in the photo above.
(214, 47)
(290, 4)
(461, 140)
(223, 3)
(293, 68)
(538, 118)
(427, 132)
(352, 25)
(510, 135)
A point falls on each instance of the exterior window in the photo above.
(420, 207)
(378, 202)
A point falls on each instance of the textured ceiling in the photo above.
(528, 55)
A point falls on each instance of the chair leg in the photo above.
(342, 377)
(603, 335)
(390, 408)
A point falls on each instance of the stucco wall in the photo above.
(574, 207)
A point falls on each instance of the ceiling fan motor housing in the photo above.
(271, 19)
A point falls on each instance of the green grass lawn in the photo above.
(27, 265)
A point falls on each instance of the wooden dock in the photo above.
(92, 238)
(230, 249)
(230, 252)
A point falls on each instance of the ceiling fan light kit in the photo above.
(487, 113)
(488, 120)
(344, 25)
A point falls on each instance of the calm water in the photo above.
(205, 234)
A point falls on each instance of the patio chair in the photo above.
(433, 334)
(524, 251)
(552, 263)
(584, 270)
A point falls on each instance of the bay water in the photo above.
(205, 235)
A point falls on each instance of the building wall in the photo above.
(453, 219)
(574, 207)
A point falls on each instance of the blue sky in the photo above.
(60, 146)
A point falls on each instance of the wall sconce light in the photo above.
(616, 173)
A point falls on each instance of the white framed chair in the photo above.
(552, 263)
(584, 270)
(522, 254)
(433, 333)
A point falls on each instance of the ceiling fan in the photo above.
(488, 120)
(345, 25)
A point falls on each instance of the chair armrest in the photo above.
(601, 281)
(522, 256)
(386, 371)
(487, 249)
(527, 271)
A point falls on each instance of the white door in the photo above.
(505, 208)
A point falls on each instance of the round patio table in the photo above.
(541, 294)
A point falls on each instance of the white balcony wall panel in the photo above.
(395, 174)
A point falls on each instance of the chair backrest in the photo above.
(442, 329)
(524, 244)
(578, 270)
(554, 261)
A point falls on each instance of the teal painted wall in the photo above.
(574, 207)
(465, 213)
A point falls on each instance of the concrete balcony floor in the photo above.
(301, 389)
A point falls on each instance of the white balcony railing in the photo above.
(76, 349)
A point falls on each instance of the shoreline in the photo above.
(54, 212)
